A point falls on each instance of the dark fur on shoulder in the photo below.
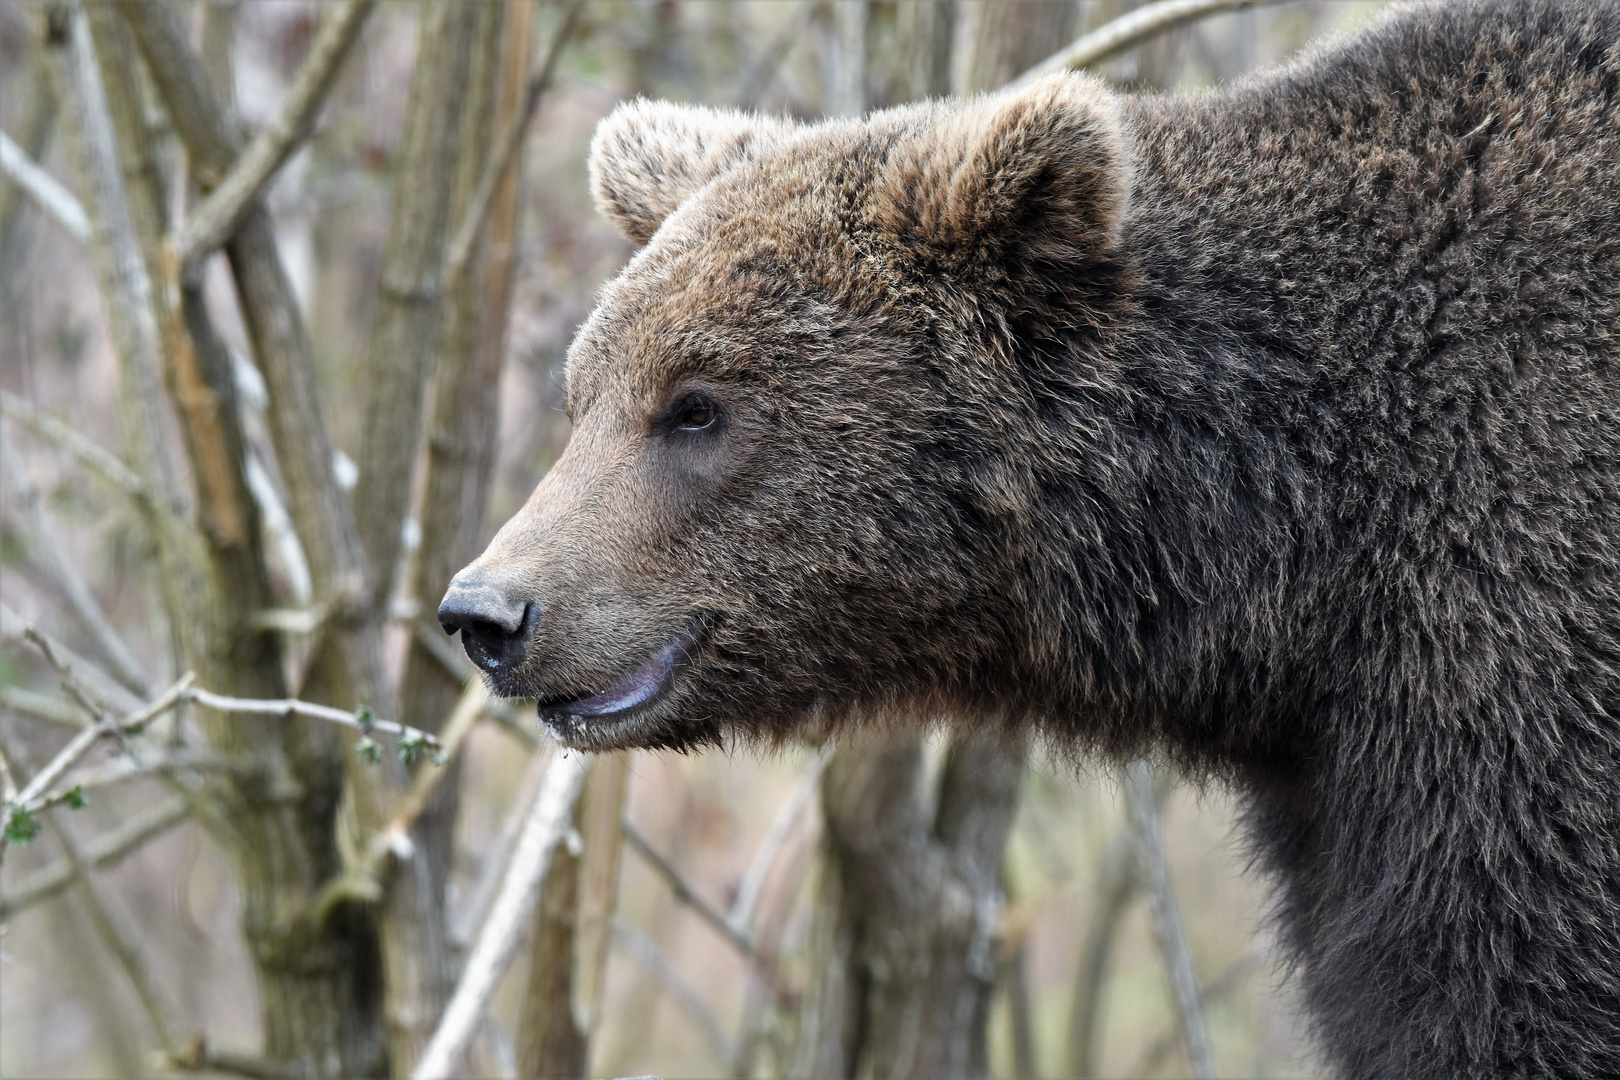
(1276, 429)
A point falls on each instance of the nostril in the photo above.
(488, 633)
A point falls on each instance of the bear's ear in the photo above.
(1038, 173)
(648, 157)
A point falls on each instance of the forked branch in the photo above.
(1127, 30)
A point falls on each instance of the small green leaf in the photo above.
(21, 826)
(368, 751)
(74, 797)
(412, 743)
(440, 756)
(364, 717)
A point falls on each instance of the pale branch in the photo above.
(53, 555)
(15, 628)
(764, 70)
(35, 705)
(510, 141)
(33, 797)
(95, 457)
(393, 840)
(110, 926)
(464, 923)
(645, 951)
(1126, 31)
(127, 293)
(182, 759)
(210, 224)
(8, 779)
(115, 933)
(1118, 878)
(1222, 985)
(105, 725)
(753, 880)
(103, 852)
(1166, 916)
(498, 939)
(320, 509)
(286, 708)
(49, 194)
(684, 892)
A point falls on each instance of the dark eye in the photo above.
(695, 415)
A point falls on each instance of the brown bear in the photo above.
(1275, 429)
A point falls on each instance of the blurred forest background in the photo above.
(250, 429)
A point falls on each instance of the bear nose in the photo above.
(495, 626)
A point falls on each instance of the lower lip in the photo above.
(649, 682)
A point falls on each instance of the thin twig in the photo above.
(287, 708)
(363, 881)
(99, 460)
(753, 881)
(1125, 31)
(1228, 981)
(1167, 926)
(645, 951)
(684, 892)
(14, 627)
(53, 555)
(103, 852)
(211, 223)
(475, 911)
(498, 939)
(114, 931)
(1118, 878)
(49, 194)
(31, 703)
(510, 141)
(106, 724)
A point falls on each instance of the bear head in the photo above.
(806, 459)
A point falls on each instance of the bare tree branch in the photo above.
(753, 880)
(81, 743)
(498, 940)
(1167, 926)
(52, 710)
(92, 455)
(511, 140)
(1117, 880)
(49, 194)
(475, 912)
(210, 224)
(53, 554)
(645, 951)
(1127, 30)
(684, 892)
(104, 851)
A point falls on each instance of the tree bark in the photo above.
(906, 912)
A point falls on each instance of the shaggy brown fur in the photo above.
(1276, 428)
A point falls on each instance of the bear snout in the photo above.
(496, 626)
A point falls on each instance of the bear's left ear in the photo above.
(648, 157)
(1039, 173)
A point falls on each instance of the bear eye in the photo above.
(695, 415)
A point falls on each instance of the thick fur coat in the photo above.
(1276, 429)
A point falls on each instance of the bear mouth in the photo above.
(642, 686)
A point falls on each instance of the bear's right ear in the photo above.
(1042, 173)
(648, 157)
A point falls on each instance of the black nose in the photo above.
(495, 626)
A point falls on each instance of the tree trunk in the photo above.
(906, 912)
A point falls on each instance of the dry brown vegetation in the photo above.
(297, 357)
